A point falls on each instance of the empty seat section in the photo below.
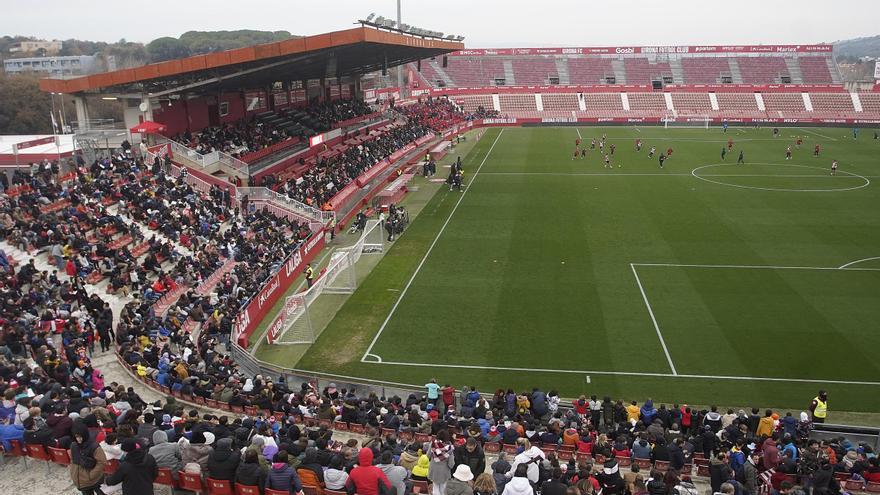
(784, 104)
(692, 103)
(815, 70)
(641, 71)
(704, 70)
(603, 105)
(518, 104)
(870, 103)
(832, 104)
(762, 70)
(647, 104)
(474, 72)
(738, 104)
(533, 71)
(470, 103)
(589, 70)
(428, 73)
(560, 102)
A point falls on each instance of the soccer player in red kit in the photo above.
(729, 144)
(668, 152)
(576, 153)
(577, 142)
(612, 147)
(799, 142)
(638, 145)
(788, 153)
(816, 150)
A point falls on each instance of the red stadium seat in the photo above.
(246, 489)
(421, 486)
(492, 447)
(191, 482)
(219, 487)
(59, 456)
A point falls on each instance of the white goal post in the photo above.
(671, 121)
(293, 324)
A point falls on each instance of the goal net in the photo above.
(294, 323)
(671, 121)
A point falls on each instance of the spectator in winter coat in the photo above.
(397, 475)
(249, 472)
(137, 471)
(223, 461)
(460, 484)
(499, 471)
(198, 450)
(519, 484)
(281, 476)
(530, 456)
(750, 474)
(609, 479)
(648, 412)
(166, 454)
(87, 460)
(471, 455)
(641, 449)
(771, 453)
(719, 471)
(364, 479)
(420, 470)
(335, 476)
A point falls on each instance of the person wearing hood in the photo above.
(641, 449)
(713, 419)
(471, 455)
(310, 471)
(137, 471)
(460, 484)
(165, 453)
(419, 472)
(409, 457)
(648, 412)
(397, 475)
(197, 451)
(719, 471)
(257, 446)
(528, 456)
(87, 460)
(223, 462)
(770, 453)
(789, 424)
(655, 484)
(281, 476)
(335, 475)
(750, 474)
(609, 479)
(364, 478)
(519, 484)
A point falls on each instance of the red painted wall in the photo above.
(236, 107)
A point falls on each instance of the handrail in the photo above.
(281, 200)
(203, 160)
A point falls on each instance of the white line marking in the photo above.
(378, 359)
(654, 320)
(626, 373)
(844, 267)
(585, 175)
(579, 133)
(817, 134)
(866, 183)
(430, 248)
(564, 174)
(761, 267)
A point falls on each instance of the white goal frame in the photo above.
(293, 323)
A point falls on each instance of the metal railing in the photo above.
(284, 202)
(204, 160)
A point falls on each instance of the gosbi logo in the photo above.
(625, 50)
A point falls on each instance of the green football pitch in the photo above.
(703, 282)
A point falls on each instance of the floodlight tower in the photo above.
(399, 67)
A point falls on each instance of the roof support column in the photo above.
(83, 118)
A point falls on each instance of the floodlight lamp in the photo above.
(388, 23)
(371, 16)
(379, 20)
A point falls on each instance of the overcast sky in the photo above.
(485, 23)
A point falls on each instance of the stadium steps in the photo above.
(735, 73)
(794, 70)
(147, 231)
(677, 71)
(509, 77)
(619, 71)
(857, 102)
(562, 70)
(833, 69)
(442, 73)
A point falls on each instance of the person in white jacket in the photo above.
(519, 484)
(528, 456)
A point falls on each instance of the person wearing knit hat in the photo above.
(609, 479)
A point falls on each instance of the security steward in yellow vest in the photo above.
(819, 407)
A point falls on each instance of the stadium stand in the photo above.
(603, 104)
(737, 104)
(696, 104)
(815, 70)
(647, 104)
(763, 70)
(535, 71)
(642, 71)
(705, 70)
(589, 70)
(832, 104)
(784, 104)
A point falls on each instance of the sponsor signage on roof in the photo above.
(647, 50)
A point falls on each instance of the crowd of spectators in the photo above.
(321, 182)
(330, 113)
(438, 114)
(236, 138)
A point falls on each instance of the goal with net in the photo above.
(294, 324)
(671, 121)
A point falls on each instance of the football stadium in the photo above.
(381, 259)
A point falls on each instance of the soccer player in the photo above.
(788, 153)
(730, 144)
(723, 152)
(577, 142)
(651, 152)
(816, 150)
(639, 144)
(608, 162)
(593, 144)
(724, 126)
(613, 147)
(834, 167)
(576, 153)
(669, 152)
(584, 153)
(742, 158)
(799, 142)
(775, 132)
(602, 145)
(662, 159)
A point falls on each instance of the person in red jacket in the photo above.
(365, 478)
(70, 268)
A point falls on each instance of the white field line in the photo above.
(428, 252)
(817, 134)
(579, 133)
(564, 174)
(627, 373)
(654, 320)
(847, 266)
(765, 267)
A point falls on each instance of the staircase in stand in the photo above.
(794, 70)
(735, 73)
(442, 73)
(677, 71)
(562, 70)
(619, 71)
(509, 77)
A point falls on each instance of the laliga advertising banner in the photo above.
(256, 310)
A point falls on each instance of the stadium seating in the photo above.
(517, 104)
(870, 103)
(474, 72)
(692, 104)
(815, 70)
(560, 102)
(472, 103)
(603, 104)
(762, 70)
(647, 104)
(641, 71)
(704, 70)
(584, 70)
(737, 104)
(784, 104)
(832, 104)
(535, 71)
